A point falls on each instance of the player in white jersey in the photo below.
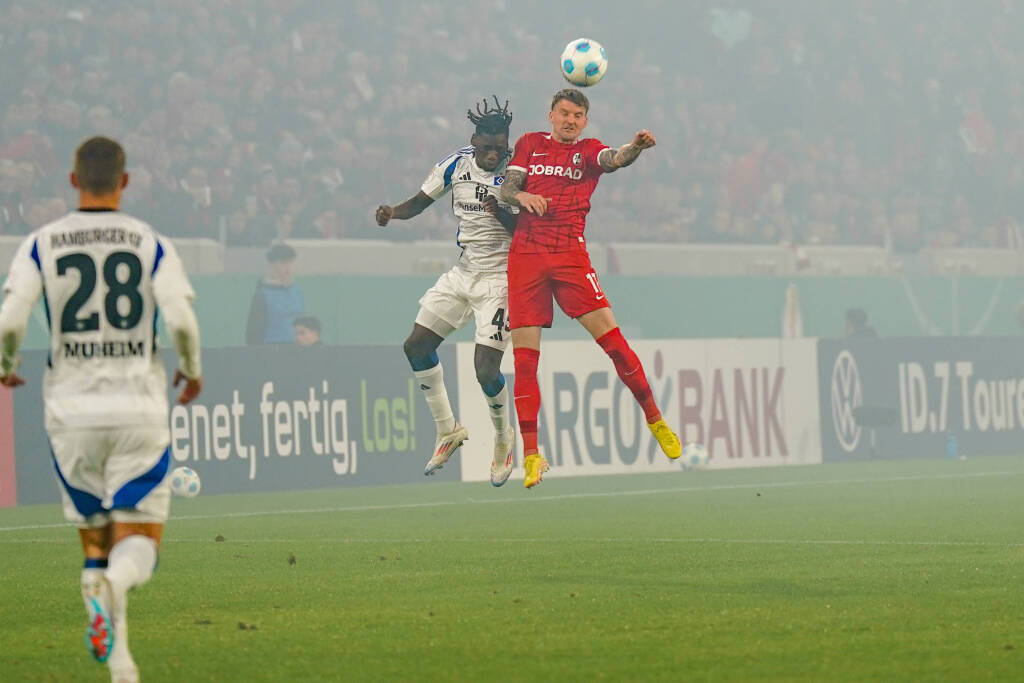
(104, 278)
(476, 288)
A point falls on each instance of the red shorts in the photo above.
(566, 276)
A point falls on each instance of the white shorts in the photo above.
(117, 474)
(459, 295)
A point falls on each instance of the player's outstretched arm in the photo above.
(512, 193)
(411, 207)
(614, 159)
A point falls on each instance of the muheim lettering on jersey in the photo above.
(752, 402)
(560, 171)
(87, 236)
(910, 397)
(104, 350)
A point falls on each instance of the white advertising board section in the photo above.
(752, 402)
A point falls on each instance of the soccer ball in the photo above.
(695, 456)
(185, 482)
(584, 62)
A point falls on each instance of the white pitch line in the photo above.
(737, 487)
(744, 541)
(565, 496)
(688, 541)
(29, 527)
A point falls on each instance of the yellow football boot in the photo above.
(667, 439)
(535, 466)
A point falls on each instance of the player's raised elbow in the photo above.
(418, 204)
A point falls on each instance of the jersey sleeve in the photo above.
(439, 181)
(170, 283)
(521, 155)
(592, 151)
(25, 277)
(174, 295)
(22, 288)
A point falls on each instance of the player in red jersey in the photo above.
(551, 176)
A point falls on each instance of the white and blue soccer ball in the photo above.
(584, 62)
(185, 482)
(695, 456)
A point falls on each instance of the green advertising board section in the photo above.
(359, 309)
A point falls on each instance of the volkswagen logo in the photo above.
(847, 394)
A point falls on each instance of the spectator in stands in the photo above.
(278, 301)
(307, 331)
(857, 326)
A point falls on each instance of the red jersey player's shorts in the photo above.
(566, 276)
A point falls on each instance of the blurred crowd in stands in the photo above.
(880, 122)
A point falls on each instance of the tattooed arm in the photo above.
(512, 186)
(613, 159)
(512, 193)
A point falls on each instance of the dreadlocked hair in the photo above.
(488, 120)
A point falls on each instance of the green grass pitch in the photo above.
(899, 570)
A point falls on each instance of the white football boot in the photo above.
(444, 447)
(99, 632)
(504, 457)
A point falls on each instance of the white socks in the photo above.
(497, 407)
(431, 383)
(130, 564)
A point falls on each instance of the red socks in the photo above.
(631, 372)
(527, 396)
(527, 390)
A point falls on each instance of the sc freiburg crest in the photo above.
(576, 159)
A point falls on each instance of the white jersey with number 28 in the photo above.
(104, 276)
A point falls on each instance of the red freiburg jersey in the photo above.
(564, 173)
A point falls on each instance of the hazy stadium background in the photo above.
(861, 123)
(794, 126)
(812, 156)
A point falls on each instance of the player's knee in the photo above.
(422, 354)
(487, 374)
(415, 350)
